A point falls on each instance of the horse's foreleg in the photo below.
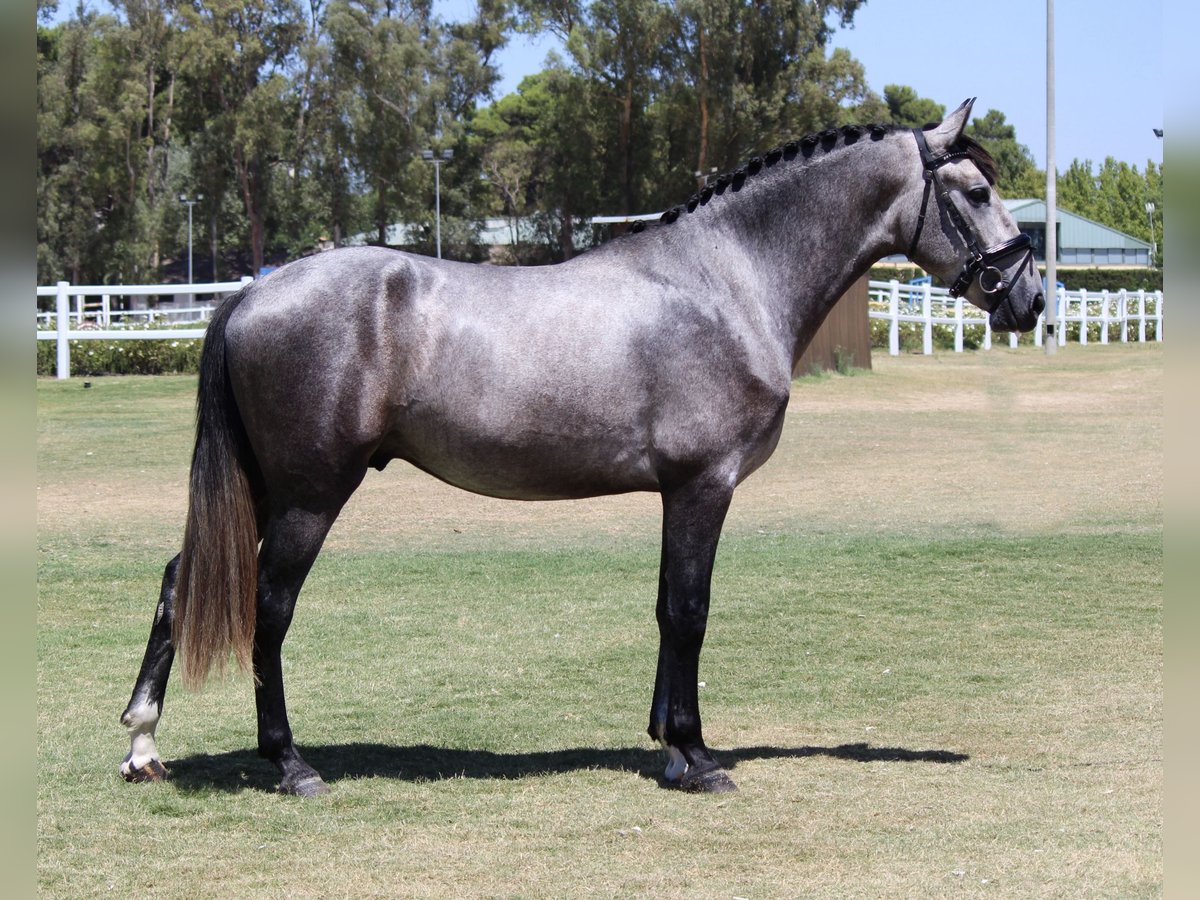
(145, 706)
(692, 519)
(290, 545)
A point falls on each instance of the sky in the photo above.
(1108, 66)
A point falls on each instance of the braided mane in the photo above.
(805, 147)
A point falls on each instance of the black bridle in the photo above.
(982, 263)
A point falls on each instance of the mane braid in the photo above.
(828, 140)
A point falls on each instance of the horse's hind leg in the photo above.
(692, 519)
(145, 706)
(291, 542)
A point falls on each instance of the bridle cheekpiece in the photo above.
(982, 263)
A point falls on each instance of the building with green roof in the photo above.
(1081, 242)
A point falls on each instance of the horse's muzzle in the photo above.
(1004, 317)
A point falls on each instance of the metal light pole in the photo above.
(428, 156)
(184, 198)
(1051, 342)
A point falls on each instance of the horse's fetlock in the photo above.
(141, 716)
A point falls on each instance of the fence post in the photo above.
(1158, 315)
(894, 318)
(1123, 314)
(927, 313)
(1083, 316)
(63, 326)
(1037, 331)
(1141, 315)
(958, 324)
(1104, 320)
(987, 332)
(1060, 297)
(105, 310)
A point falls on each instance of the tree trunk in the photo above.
(249, 181)
(566, 229)
(213, 223)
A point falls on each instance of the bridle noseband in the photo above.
(982, 263)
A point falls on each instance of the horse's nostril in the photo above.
(1039, 303)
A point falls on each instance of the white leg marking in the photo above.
(141, 720)
(676, 765)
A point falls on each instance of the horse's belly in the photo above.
(527, 463)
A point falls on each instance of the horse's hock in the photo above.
(845, 333)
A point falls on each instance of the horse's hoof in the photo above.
(153, 770)
(312, 786)
(710, 781)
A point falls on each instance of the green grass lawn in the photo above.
(933, 665)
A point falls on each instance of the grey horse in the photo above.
(661, 361)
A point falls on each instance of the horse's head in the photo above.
(962, 232)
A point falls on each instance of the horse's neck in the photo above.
(813, 231)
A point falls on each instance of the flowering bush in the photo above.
(912, 333)
(118, 357)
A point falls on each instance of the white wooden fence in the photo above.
(928, 306)
(84, 312)
(86, 319)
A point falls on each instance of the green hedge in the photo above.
(1074, 279)
(1111, 279)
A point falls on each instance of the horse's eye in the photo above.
(979, 195)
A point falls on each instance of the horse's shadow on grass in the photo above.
(242, 769)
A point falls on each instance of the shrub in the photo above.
(124, 357)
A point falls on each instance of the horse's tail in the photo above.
(214, 608)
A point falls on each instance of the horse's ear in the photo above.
(950, 129)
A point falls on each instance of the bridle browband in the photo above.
(982, 263)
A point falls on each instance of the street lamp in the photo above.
(184, 198)
(1153, 243)
(429, 156)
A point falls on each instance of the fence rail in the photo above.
(928, 306)
(99, 321)
(76, 319)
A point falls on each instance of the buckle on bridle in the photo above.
(983, 266)
(991, 280)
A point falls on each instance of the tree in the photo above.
(741, 77)
(383, 52)
(82, 186)
(617, 46)
(1017, 175)
(233, 56)
(1116, 195)
(538, 155)
(906, 107)
(303, 120)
